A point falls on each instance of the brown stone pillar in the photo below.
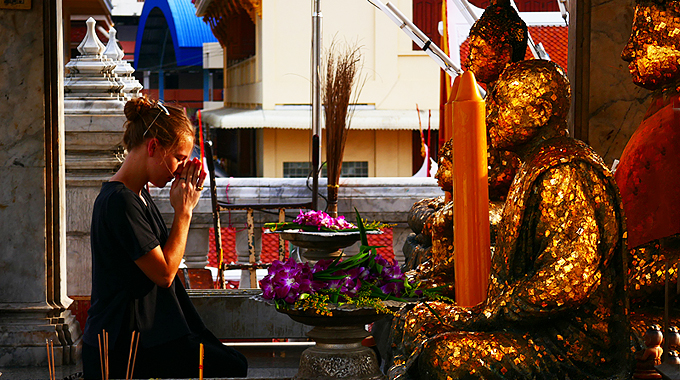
(606, 106)
(33, 297)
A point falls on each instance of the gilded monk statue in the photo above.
(556, 296)
(497, 39)
(648, 174)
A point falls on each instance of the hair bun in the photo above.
(136, 107)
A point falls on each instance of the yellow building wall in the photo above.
(388, 153)
(393, 154)
(397, 77)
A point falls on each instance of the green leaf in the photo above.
(362, 229)
(329, 277)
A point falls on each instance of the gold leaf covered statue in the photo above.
(497, 39)
(648, 174)
(556, 298)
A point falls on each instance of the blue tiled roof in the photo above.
(188, 31)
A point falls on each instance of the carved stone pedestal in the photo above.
(338, 354)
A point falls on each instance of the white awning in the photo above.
(232, 118)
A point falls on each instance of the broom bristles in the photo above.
(341, 87)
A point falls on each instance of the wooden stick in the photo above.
(134, 357)
(106, 353)
(200, 362)
(127, 371)
(49, 366)
(54, 369)
(101, 361)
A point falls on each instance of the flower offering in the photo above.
(319, 221)
(364, 280)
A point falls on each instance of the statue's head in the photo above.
(529, 95)
(445, 170)
(498, 38)
(653, 50)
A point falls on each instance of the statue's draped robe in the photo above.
(648, 177)
(556, 296)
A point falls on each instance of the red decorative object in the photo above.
(525, 5)
(649, 175)
(270, 246)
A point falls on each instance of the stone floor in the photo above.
(265, 361)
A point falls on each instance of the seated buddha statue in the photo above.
(556, 293)
(648, 174)
(497, 39)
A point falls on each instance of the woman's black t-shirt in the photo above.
(123, 298)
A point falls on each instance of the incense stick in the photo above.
(127, 371)
(49, 364)
(54, 369)
(134, 357)
(101, 361)
(200, 362)
(106, 353)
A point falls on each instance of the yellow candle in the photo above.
(470, 194)
(448, 115)
(448, 119)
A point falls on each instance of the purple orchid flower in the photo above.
(394, 288)
(267, 288)
(321, 219)
(321, 265)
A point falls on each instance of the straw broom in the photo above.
(340, 87)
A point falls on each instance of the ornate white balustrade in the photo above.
(383, 199)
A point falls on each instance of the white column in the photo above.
(243, 255)
(198, 244)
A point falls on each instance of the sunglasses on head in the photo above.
(161, 109)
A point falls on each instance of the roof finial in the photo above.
(112, 50)
(91, 44)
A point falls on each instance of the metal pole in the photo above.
(215, 213)
(316, 100)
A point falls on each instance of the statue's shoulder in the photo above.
(564, 150)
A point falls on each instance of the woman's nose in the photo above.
(180, 167)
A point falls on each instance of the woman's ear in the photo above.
(151, 146)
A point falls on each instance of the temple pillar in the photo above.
(33, 300)
(94, 119)
(198, 245)
(606, 106)
(243, 254)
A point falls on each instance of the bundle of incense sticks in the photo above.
(104, 353)
(50, 359)
(132, 357)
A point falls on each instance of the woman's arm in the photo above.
(161, 264)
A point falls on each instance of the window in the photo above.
(353, 169)
(296, 169)
(303, 169)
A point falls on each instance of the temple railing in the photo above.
(243, 73)
(384, 199)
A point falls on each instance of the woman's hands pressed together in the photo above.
(185, 190)
(161, 263)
